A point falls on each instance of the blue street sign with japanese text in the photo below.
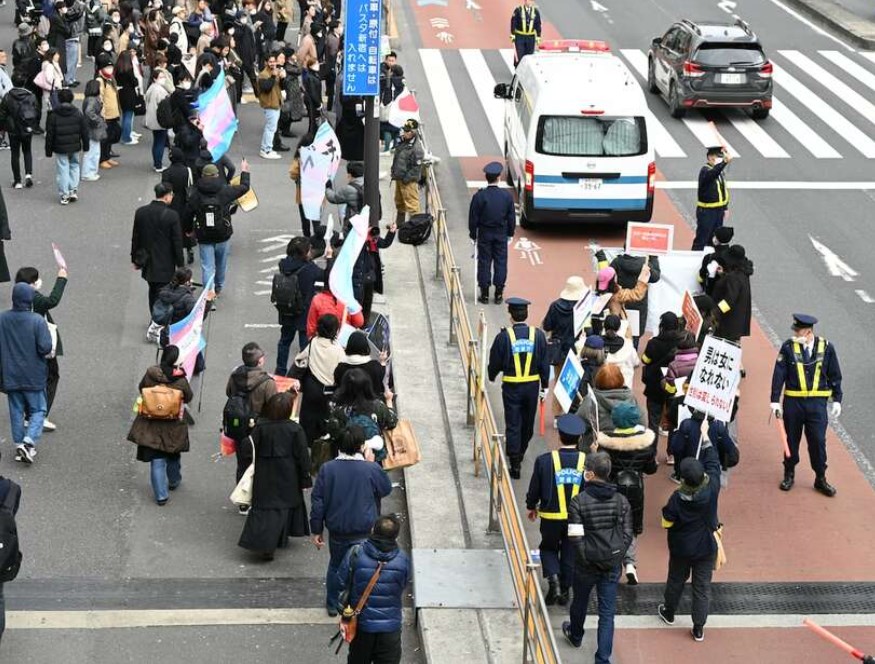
(361, 50)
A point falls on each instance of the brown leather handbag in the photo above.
(402, 446)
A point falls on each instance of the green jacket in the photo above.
(42, 305)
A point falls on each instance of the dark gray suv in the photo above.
(710, 64)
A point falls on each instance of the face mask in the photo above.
(185, 85)
(107, 47)
(252, 12)
(115, 19)
(38, 284)
(800, 340)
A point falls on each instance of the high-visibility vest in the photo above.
(722, 195)
(564, 476)
(517, 348)
(527, 21)
(803, 390)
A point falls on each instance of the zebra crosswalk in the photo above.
(823, 107)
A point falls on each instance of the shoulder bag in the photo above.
(349, 617)
(402, 446)
(242, 493)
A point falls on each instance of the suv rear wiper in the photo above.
(743, 62)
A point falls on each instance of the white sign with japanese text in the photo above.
(715, 379)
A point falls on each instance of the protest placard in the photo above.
(248, 201)
(692, 316)
(649, 239)
(715, 379)
(568, 381)
(582, 311)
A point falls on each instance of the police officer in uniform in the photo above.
(525, 29)
(491, 224)
(713, 197)
(519, 353)
(556, 479)
(807, 369)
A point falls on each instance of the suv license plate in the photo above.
(590, 184)
(732, 79)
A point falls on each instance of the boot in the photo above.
(824, 487)
(189, 255)
(278, 145)
(399, 219)
(789, 478)
(499, 295)
(562, 599)
(484, 295)
(553, 591)
(515, 463)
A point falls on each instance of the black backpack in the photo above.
(604, 549)
(10, 554)
(164, 114)
(210, 223)
(415, 230)
(26, 113)
(285, 293)
(237, 413)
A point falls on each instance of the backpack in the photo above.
(26, 113)
(10, 553)
(160, 403)
(210, 224)
(603, 549)
(164, 114)
(162, 312)
(237, 413)
(285, 293)
(369, 426)
(415, 230)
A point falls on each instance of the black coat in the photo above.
(628, 268)
(180, 177)
(375, 371)
(66, 131)
(9, 112)
(732, 295)
(127, 90)
(157, 236)
(660, 350)
(633, 454)
(282, 465)
(5, 236)
(224, 195)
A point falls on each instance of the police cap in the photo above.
(803, 320)
(716, 151)
(595, 342)
(517, 302)
(571, 425)
(493, 168)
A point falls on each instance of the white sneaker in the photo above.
(269, 155)
(49, 426)
(153, 333)
(90, 178)
(631, 575)
(135, 134)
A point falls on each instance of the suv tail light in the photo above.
(766, 70)
(530, 176)
(651, 178)
(692, 70)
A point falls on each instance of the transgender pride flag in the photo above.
(217, 116)
(340, 278)
(188, 334)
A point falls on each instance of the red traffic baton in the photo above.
(783, 436)
(828, 636)
(542, 425)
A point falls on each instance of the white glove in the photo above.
(777, 411)
(712, 269)
(835, 409)
(542, 394)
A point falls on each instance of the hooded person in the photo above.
(619, 349)
(732, 295)
(632, 448)
(608, 391)
(660, 350)
(179, 176)
(708, 273)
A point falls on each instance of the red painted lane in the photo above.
(484, 27)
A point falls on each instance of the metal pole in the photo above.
(494, 478)
(472, 379)
(526, 615)
(454, 295)
(372, 159)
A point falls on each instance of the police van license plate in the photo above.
(732, 79)
(590, 184)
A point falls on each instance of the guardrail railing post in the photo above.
(454, 296)
(495, 470)
(527, 598)
(439, 243)
(472, 379)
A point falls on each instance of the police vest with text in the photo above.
(803, 389)
(521, 347)
(526, 21)
(715, 194)
(564, 477)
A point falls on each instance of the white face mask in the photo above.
(800, 340)
(38, 284)
(185, 85)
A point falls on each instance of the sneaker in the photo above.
(667, 618)
(153, 333)
(28, 181)
(18, 185)
(133, 141)
(674, 477)
(24, 454)
(160, 169)
(162, 503)
(74, 196)
(49, 426)
(4, 145)
(65, 200)
(669, 460)
(698, 633)
(566, 630)
(269, 155)
(631, 575)
(136, 134)
(91, 178)
(243, 510)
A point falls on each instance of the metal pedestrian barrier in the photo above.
(539, 644)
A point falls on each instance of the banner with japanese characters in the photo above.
(715, 379)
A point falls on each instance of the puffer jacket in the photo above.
(690, 516)
(66, 131)
(214, 188)
(155, 94)
(633, 453)
(660, 350)
(559, 322)
(308, 274)
(92, 109)
(732, 295)
(596, 509)
(407, 163)
(606, 401)
(382, 612)
(680, 367)
(180, 297)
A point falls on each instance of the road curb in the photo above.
(857, 30)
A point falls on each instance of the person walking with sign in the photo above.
(808, 372)
(713, 196)
(491, 224)
(525, 29)
(556, 479)
(519, 353)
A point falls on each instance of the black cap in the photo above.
(802, 321)
(724, 234)
(691, 471)
(716, 151)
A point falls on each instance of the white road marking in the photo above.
(261, 292)
(862, 74)
(273, 247)
(264, 282)
(267, 270)
(741, 184)
(507, 54)
(277, 238)
(701, 129)
(831, 117)
(811, 25)
(484, 83)
(834, 84)
(596, 7)
(452, 119)
(273, 259)
(836, 266)
(262, 326)
(727, 5)
(757, 136)
(770, 621)
(809, 138)
(869, 55)
(868, 299)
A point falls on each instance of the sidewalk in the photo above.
(852, 19)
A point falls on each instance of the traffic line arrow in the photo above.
(727, 5)
(277, 238)
(596, 7)
(836, 266)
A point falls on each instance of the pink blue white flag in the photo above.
(217, 117)
(188, 334)
(340, 279)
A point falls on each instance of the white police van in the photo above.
(575, 136)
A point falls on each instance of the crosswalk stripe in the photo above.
(809, 138)
(757, 136)
(484, 83)
(507, 54)
(452, 119)
(863, 75)
(869, 55)
(836, 86)
(701, 129)
(825, 112)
